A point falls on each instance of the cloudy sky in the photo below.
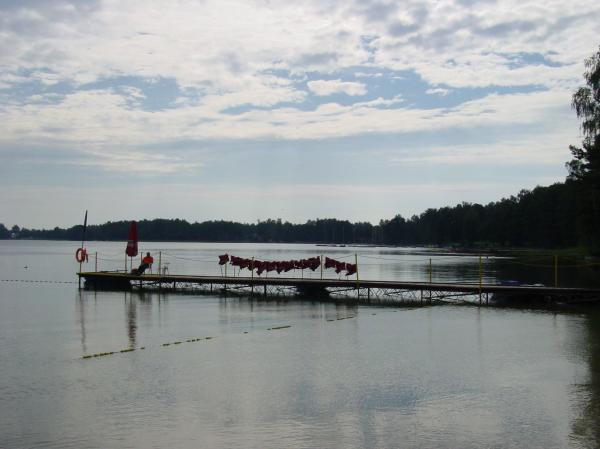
(247, 110)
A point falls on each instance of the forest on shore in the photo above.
(562, 215)
(546, 217)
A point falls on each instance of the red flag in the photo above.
(339, 267)
(350, 269)
(329, 263)
(132, 241)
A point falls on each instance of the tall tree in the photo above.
(585, 166)
(586, 102)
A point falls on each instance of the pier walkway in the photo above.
(363, 291)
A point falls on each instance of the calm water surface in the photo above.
(436, 377)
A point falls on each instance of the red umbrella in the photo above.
(132, 241)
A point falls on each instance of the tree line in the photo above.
(550, 217)
(564, 214)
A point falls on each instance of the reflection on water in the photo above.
(340, 376)
(131, 311)
(586, 426)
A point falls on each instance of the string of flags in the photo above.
(311, 263)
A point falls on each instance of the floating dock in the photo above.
(363, 291)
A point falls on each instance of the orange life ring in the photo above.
(81, 255)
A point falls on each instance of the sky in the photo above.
(248, 110)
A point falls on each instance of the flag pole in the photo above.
(82, 243)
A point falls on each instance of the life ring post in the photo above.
(82, 248)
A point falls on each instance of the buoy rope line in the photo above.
(103, 354)
(191, 340)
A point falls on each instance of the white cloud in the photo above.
(367, 75)
(92, 118)
(438, 91)
(330, 87)
(549, 150)
(137, 162)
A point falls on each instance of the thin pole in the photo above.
(480, 277)
(321, 258)
(84, 228)
(125, 262)
(430, 277)
(252, 275)
(430, 271)
(555, 271)
(160, 262)
(82, 243)
(356, 262)
(96, 262)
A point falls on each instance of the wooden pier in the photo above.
(363, 291)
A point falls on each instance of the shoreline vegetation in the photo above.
(556, 217)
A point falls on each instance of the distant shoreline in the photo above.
(556, 217)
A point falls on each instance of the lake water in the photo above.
(432, 377)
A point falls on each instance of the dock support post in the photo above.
(480, 278)
(252, 276)
(96, 261)
(356, 263)
(160, 263)
(368, 295)
(265, 290)
(430, 278)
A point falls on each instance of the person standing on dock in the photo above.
(147, 262)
